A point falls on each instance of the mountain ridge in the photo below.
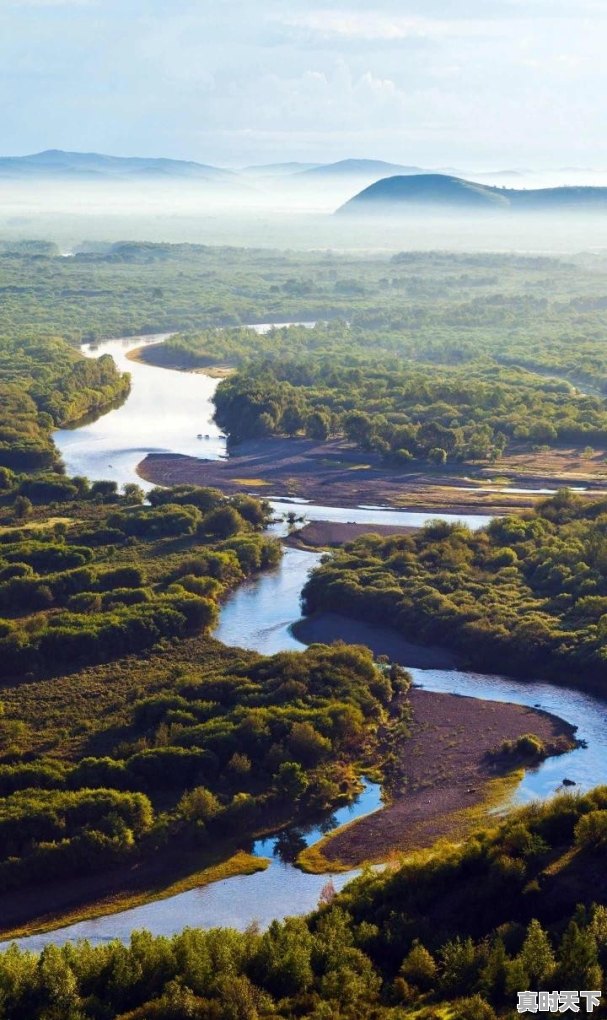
(445, 192)
(59, 163)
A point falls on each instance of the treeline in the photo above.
(208, 759)
(527, 595)
(92, 592)
(457, 934)
(45, 384)
(406, 414)
(132, 288)
(493, 329)
(47, 835)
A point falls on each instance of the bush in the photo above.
(526, 746)
(222, 522)
(198, 805)
(591, 830)
(474, 1008)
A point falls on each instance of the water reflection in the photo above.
(277, 892)
(288, 845)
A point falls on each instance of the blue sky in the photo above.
(466, 83)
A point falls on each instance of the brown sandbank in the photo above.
(443, 776)
(335, 473)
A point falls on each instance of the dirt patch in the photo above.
(324, 534)
(575, 465)
(335, 473)
(325, 628)
(444, 772)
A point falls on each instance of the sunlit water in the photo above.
(165, 411)
(259, 616)
(279, 891)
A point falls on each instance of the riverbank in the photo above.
(325, 628)
(162, 415)
(331, 534)
(446, 779)
(142, 356)
(47, 908)
(334, 473)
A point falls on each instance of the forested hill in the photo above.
(439, 191)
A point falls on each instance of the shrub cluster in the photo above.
(527, 595)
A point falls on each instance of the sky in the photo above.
(482, 84)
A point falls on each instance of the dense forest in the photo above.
(451, 935)
(419, 357)
(45, 384)
(131, 288)
(212, 747)
(88, 592)
(526, 595)
(442, 367)
(473, 413)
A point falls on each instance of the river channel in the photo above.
(167, 411)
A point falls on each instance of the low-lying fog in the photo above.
(257, 208)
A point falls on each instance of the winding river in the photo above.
(166, 410)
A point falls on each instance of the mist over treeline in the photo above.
(283, 205)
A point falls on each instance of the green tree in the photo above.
(199, 805)
(22, 508)
(536, 955)
(591, 830)
(458, 965)
(318, 425)
(290, 781)
(438, 456)
(58, 987)
(282, 963)
(292, 420)
(133, 493)
(419, 967)
(578, 965)
(494, 973)
(223, 522)
(308, 745)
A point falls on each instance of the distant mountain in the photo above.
(277, 169)
(441, 192)
(94, 166)
(495, 174)
(359, 168)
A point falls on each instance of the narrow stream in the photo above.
(165, 411)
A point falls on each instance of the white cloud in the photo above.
(373, 26)
(430, 82)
